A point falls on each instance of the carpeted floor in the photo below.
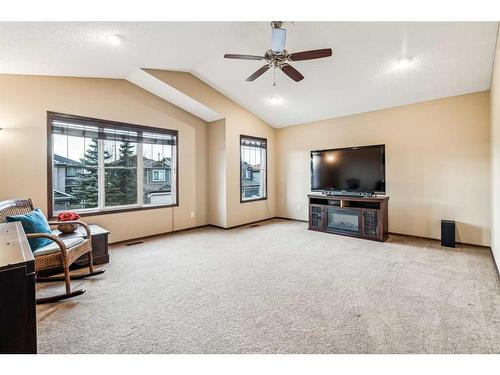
(279, 288)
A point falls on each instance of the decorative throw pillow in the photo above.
(33, 222)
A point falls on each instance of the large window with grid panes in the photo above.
(98, 166)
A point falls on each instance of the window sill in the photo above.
(117, 210)
(252, 200)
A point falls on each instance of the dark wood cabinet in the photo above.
(350, 216)
(316, 217)
(370, 224)
(17, 292)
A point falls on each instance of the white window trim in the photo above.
(101, 173)
(140, 183)
(140, 174)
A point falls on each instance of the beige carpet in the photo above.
(279, 288)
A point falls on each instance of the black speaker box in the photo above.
(448, 233)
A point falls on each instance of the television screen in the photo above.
(354, 169)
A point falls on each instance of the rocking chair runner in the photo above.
(60, 256)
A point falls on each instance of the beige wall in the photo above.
(217, 173)
(238, 121)
(24, 101)
(437, 163)
(495, 156)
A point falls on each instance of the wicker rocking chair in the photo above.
(60, 254)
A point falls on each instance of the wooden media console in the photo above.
(363, 217)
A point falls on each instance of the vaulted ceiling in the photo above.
(442, 59)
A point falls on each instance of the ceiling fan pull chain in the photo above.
(274, 77)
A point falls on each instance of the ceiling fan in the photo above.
(278, 58)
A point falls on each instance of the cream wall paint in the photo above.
(238, 121)
(437, 163)
(24, 102)
(495, 156)
(437, 154)
(217, 173)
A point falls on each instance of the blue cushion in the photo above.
(33, 222)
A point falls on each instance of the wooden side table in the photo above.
(99, 244)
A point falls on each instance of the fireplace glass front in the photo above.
(343, 221)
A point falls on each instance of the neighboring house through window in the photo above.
(102, 166)
(253, 167)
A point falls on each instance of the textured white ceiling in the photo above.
(450, 59)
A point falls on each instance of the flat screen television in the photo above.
(352, 170)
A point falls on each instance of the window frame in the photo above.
(243, 136)
(110, 124)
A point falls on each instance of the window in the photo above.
(71, 172)
(100, 166)
(158, 175)
(253, 168)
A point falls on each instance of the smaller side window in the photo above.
(253, 160)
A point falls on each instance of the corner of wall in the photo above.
(216, 164)
(495, 155)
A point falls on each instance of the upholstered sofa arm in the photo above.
(52, 237)
(77, 222)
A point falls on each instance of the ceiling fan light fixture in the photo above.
(278, 40)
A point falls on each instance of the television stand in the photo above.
(362, 217)
(348, 194)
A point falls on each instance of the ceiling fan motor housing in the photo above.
(276, 24)
(276, 60)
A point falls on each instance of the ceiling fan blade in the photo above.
(258, 73)
(243, 57)
(291, 72)
(278, 40)
(309, 55)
